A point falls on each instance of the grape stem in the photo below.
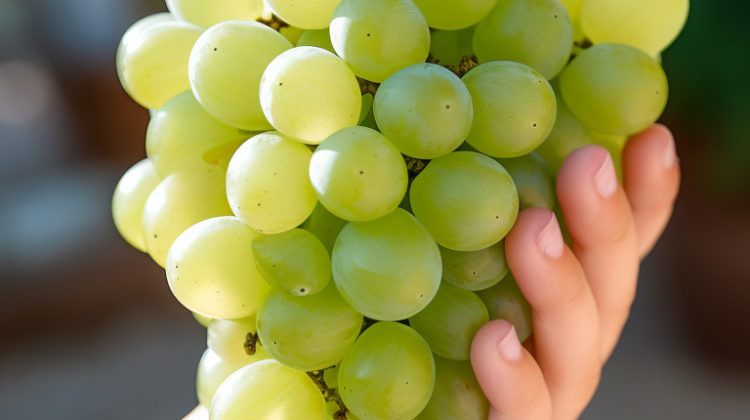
(274, 22)
(467, 63)
(251, 339)
(330, 394)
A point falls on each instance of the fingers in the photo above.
(508, 374)
(601, 224)
(199, 413)
(652, 180)
(566, 328)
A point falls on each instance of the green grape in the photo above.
(129, 199)
(331, 377)
(574, 11)
(537, 33)
(514, 108)
(308, 332)
(291, 33)
(208, 13)
(307, 93)
(178, 202)
(358, 174)
(378, 38)
(214, 369)
(648, 25)
(229, 339)
(534, 181)
(316, 38)
(367, 102)
(505, 301)
(450, 47)
(614, 89)
(388, 374)
(153, 61)
(305, 14)
(325, 226)
(202, 320)
(268, 390)
(449, 322)
(457, 395)
(452, 15)
(267, 183)
(183, 136)
(225, 69)
(425, 110)
(211, 270)
(475, 270)
(295, 261)
(466, 200)
(134, 35)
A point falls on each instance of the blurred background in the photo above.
(88, 326)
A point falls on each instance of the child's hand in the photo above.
(580, 296)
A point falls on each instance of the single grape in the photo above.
(308, 93)
(567, 135)
(367, 102)
(475, 270)
(291, 33)
(232, 339)
(457, 395)
(325, 226)
(213, 370)
(305, 14)
(378, 38)
(358, 174)
(450, 47)
(133, 35)
(387, 269)
(533, 179)
(320, 38)
(452, 15)
(574, 11)
(505, 301)
(388, 374)
(202, 319)
(466, 200)
(129, 199)
(425, 110)
(208, 13)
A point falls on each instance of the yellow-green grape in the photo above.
(475, 270)
(291, 33)
(211, 270)
(231, 339)
(325, 226)
(320, 38)
(457, 395)
(614, 89)
(449, 322)
(450, 47)
(425, 110)
(305, 14)
(367, 102)
(505, 301)
(378, 38)
(307, 93)
(573, 7)
(268, 390)
(331, 377)
(183, 136)
(567, 135)
(358, 174)
(225, 69)
(387, 269)
(451, 14)
(154, 62)
(129, 199)
(388, 374)
(537, 33)
(208, 13)
(202, 319)
(308, 332)
(466, 200)
(295, 261)
(134, 34)
(648, 25)
(267, 183)
(514, 108)
(534, 181)
(214, 369)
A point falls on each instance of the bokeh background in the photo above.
(89, 329)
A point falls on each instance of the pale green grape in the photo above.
(211, 270)
(268, 390)
(129, 199)
(378, 38)
(534, 181)
(449, 322)
(183, 136)
(367, 102)
(325, 226)
(295, 261)
(457, 395)
(387, 269)
(466, 200)
(267, 183)
(153, 61)
(505, 301)
(225, 69)
(178, 202)
(645, 24)
(425, 110)
(306, 14)
(451, 14)
(316, 38)
(202, 319)
(475, 270)
(214, 369)
(308, 93)
(388, 374)
(308, 332)
(514, 108)
(615, 89)
(208, 13)
(134, 34)
(291, 33)
(574, 11)
(358, 174)
(537, 33)
(228, 338)
(331, 377)
(449, 47)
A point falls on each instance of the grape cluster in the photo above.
(329, 182)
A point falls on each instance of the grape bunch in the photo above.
(329, 182)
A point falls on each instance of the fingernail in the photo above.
(669, 154)
(605, 180)
(509, 347)
(550, 240)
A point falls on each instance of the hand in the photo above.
(580, 296)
